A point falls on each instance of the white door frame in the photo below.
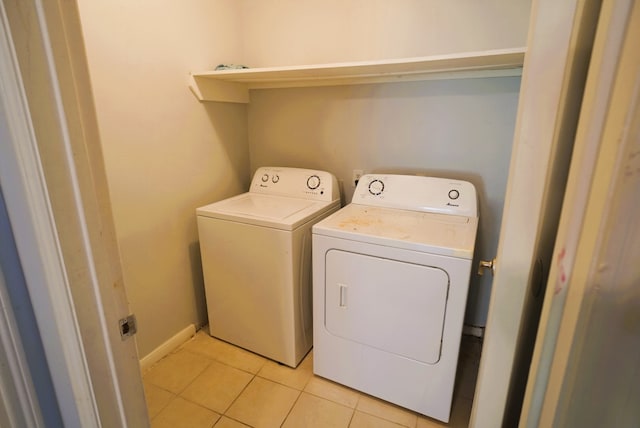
(25, 193)
(612, 98)
(555, 67)
(53, 138)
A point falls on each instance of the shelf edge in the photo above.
(391, 78)
(234, 85)
(206, 89)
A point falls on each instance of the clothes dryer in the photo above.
(390, 281)
(256, 260)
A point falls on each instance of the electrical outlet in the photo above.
(357, 173)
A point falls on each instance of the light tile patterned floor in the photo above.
(210, 383)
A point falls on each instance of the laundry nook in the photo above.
(319, 213)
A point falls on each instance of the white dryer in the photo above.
(256, 260)
(390, 279)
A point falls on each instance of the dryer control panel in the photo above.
(296, 183)
(417, 193)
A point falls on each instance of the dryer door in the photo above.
(391, 305)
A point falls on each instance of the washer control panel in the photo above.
(296, 183)
(376, 187)
(417, 193)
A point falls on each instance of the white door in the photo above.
(555, 67)
(362, 304)
(585, 366)
(54, 185)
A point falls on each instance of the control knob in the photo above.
(376, 187)
(313, 182)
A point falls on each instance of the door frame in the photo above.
(555, 68)
(613, 97)
(53, 180)
(24, 190)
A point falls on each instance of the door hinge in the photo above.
(128, 326)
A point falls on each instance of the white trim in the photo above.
(73, 176)
(37, 243)
(584, 273)
(167, 347)
(595, 108)
(556, 61)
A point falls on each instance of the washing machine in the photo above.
(256, 261)
(391, 273)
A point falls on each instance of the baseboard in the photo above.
(167, 347)
(472, 330)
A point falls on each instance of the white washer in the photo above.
(390, 279)
(256, 260)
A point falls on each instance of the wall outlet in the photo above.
(357, 173)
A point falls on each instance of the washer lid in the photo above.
(444, 234)
(278, 212)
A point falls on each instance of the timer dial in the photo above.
(376, 187)
(313, 182)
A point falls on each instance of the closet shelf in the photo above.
(234, 85)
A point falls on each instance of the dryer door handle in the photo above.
(343, 295)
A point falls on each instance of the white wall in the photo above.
(456, 128)
(165, 153)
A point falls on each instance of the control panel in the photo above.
(296, 182)
(417, 193)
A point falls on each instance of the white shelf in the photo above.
(234, 85)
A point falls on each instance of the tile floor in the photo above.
(210, 383)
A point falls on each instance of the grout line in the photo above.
(163, 407)
(353, 415)
(291, 408)
(238, 396)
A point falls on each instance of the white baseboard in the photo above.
(472, 330)
(167, 347)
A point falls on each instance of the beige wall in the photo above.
(290, 32)
(455, 128)
(165, 153)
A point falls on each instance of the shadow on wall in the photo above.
(198, 281)
(229, 149)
